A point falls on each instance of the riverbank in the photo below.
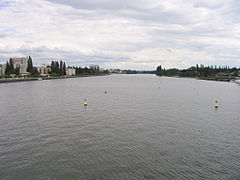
(237, 81)
(206, 78)
(216, 79)
(10, 80)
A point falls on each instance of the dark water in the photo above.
(145, 127)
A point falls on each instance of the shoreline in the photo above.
(12, 80)
(206, 78)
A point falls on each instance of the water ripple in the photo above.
(146, 127)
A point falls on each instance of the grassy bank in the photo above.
(216, 79)
(9, 80)
(206, 78)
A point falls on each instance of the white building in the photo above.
(117, 71)
(70, 72)
(94, 67)
(44, 70)
(2, 69)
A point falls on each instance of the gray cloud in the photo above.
(42, 55)
(137, 33)
(136, 9)
(99, 4)
(2, 35)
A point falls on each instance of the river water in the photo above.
(144, 127)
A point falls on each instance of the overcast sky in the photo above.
(128, 34)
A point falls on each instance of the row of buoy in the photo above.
(85, 100)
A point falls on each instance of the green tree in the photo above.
(159, 70)
(7, 69)
(86, 70)
(52, 67)
(57, 68)
(61, 68)
(64, 69)
(17, 71)
(34, 71)
(11, 67)
(30, 65)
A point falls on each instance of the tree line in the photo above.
(200, 71)
(58, 68)
(88, 70)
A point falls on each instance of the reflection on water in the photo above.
(144, 127)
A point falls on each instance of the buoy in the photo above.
(105, 92)
(216, 104)
(85, 102)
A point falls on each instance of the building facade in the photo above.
(2, 69)
(70, 72)
(21, 63)
(223, 75)
(94, 67)
(44, 70)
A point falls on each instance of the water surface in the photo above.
(145, 127)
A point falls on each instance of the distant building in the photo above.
(223, 75)
(118, 71)
(21, 63)
(70, 72)
(2, 69)
(44, 70)
(94, 67)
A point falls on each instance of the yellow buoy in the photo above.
(216, 104)
(85, 102)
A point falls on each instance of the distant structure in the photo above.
(223, 75)
(21, 63)
(2, 69)
(70, 72)
(44, 70)
(94, 67)
(117, 71)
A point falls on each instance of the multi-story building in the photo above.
(2, 69)
(70, 72)
(44, 70)
(21, 63)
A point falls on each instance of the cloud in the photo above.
(137, 34)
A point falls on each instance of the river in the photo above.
(143, 127)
